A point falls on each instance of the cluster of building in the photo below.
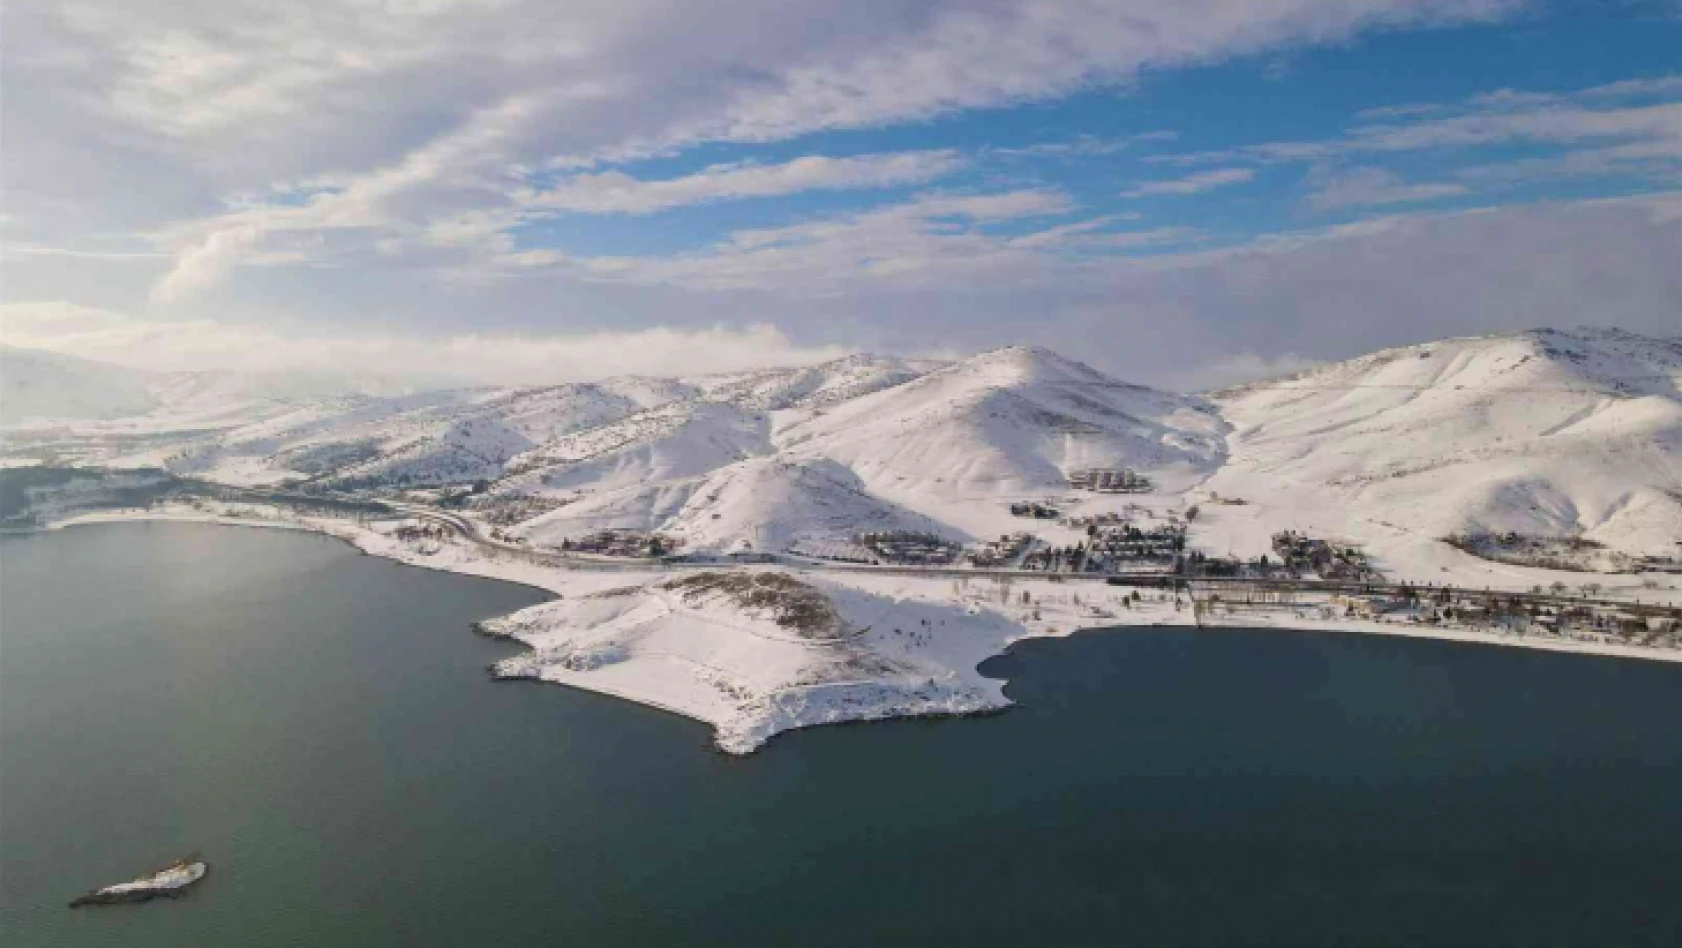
(905, 547)
(1202, 564)
(636, 543)
(1056, 559)
(1001, 552)
(1096, 520)
(1113, 547)
(415, 532)
(1299, 553)
(1500, 613)
(1034, 510)
(1521, 615)
(1110, 480)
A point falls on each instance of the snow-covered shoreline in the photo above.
(901, 646)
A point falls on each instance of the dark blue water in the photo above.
(319, 725)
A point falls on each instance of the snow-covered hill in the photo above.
(1002, 424)
(772, 460)
(759, 503)
(1544, 433)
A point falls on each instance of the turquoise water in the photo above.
(319, 725)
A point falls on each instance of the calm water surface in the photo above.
(318, 724)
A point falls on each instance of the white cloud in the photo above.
(614, 192)
(1241, 368)
(1531, 121)
(1592, 117)
(493, 359)
(1192, 184)
(1406, 110)
(971, 56)
(205, 263)
(147, 114)
(1084, 146)
(1359, 187)
(930, 238)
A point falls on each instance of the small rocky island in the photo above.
(170, 882)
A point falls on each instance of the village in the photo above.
(1551, 614)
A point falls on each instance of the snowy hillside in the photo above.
(682, 439)
(39, 386)
(761, 503)
(1544, 433)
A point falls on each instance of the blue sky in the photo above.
(1307, 94)
(1232, 188)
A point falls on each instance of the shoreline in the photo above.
(726, 667)
(1354, 626)
(213, 520)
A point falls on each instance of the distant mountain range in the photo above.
(1543, 432)
(38, 386)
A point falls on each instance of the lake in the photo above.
(319, 725)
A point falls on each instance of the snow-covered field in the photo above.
(1568, 437)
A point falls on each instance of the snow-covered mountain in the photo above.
(41, 386)
(1545, 433)
(1556, 434)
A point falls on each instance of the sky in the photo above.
(1182, 194)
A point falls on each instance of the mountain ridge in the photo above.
(1546, 432)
